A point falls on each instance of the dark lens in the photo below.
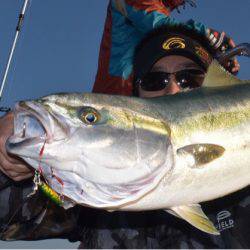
(189, 79)
(155, 81)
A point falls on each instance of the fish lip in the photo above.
(43, 117)
(11, 144)
(26, 108)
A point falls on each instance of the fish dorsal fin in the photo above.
(197, 155)
(217, 76)
(194, 215)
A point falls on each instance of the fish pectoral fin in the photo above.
(199, 154)
(194, 215)
(173, 213)
(110, 210)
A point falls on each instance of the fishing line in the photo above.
(13, 76)
(7, 67)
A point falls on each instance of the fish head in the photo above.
(101, 139)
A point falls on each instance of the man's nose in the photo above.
(173, 86)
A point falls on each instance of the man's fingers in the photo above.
(22, 177)
(13, 167)
(8, 160)
(14, 159)
(236, 67)
(233, 66)
(231, 43)
(9, 167)
(22, 169)
(11, 158)
(2, 169)
(16, 176)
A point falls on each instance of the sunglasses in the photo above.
(186, 79)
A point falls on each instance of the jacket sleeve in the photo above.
(126, 24)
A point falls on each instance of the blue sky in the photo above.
(59, 43)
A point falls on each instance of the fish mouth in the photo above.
(32, 125)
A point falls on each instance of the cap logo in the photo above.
(202, 53)
(174, 43)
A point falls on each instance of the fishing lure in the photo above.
(46, 190)
(44, 187)
(51, 194)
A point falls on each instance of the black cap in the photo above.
(164, 42)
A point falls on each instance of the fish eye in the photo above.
(89, 116)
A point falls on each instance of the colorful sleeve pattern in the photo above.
(126, 24)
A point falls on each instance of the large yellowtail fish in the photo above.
(124, 153)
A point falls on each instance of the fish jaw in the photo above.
(29, 131)
(33, 126)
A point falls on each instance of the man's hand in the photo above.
(12, 166)
(221, 43)
(232, 65)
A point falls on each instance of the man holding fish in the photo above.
(165, 73)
